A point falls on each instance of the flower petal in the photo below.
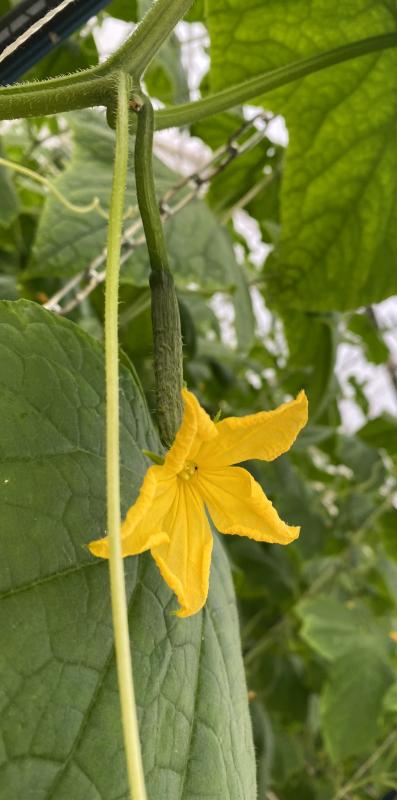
(185, 561)
(237, 504)
(196, 428)
(142, 527)
(265, 435)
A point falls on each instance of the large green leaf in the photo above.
(339, 212)
(333, 628)
(200, 250)
(59, 704)
(352, 702)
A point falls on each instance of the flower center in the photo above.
(188, 470)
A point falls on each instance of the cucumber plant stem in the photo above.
(132, 746)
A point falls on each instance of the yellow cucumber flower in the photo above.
(169, 518)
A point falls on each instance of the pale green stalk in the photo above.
(136, 777)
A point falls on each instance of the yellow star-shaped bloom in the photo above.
(169, 515)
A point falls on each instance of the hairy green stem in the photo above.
(94, 88)
(133, 56)
(47, 83)
(66, 97)
(187, 113)
(167, 338)
(137, 52)
(119, 601)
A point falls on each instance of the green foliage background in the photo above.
(317, 617)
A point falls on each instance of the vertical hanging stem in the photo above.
(119, 601)
(167, 339)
